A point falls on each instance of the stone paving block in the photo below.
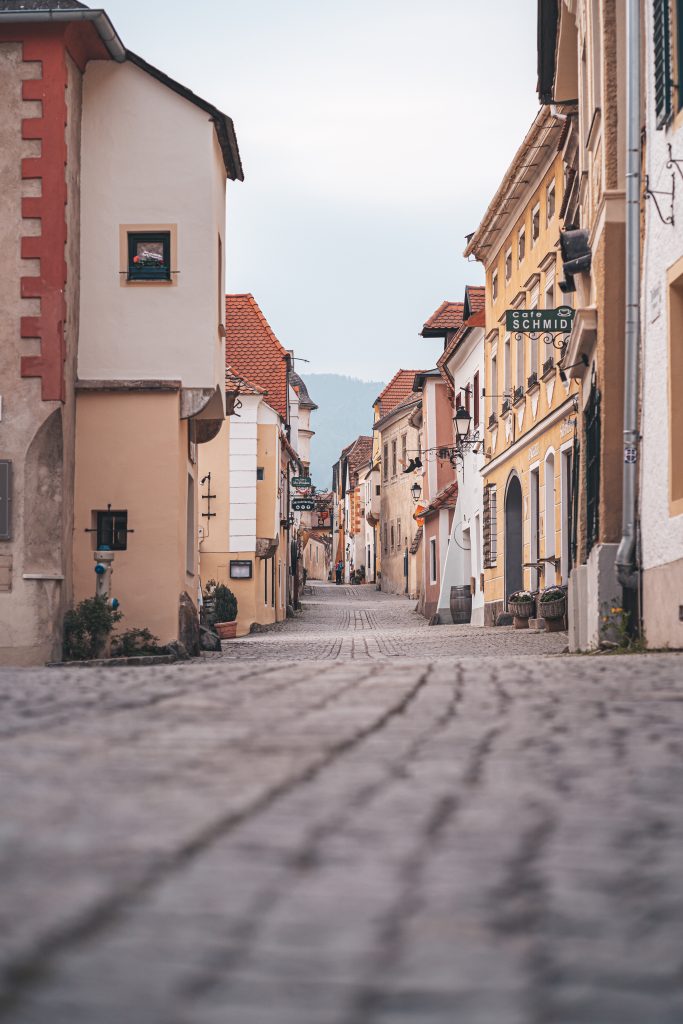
(350, 819)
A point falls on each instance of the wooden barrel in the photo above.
(461, 604)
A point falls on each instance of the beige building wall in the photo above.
(396, 511)
(233, 458)
(159, 329)
(315, 560)
(146, 433)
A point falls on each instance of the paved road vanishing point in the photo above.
(350, 819)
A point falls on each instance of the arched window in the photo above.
(550, 530)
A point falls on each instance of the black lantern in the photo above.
(462, 420)
(416, 491)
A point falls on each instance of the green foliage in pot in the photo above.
(552, 594)
(87, 627)
(521, 597)
(222, 600)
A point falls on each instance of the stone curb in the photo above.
(136, 660)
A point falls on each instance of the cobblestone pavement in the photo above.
(460, 835)
(358, 622)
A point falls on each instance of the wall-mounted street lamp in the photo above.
(461, 422)
(416, 491)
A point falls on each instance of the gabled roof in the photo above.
(252, 351)
(305, 400)
(398, 389)
(447, 317)
(359, 453)
(475, 300)
(476, 320)
(446, 498)
(73, 11)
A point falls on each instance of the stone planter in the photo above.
(522, 612)
(553, 612)
(226, 630)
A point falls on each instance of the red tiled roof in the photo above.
(359, 453)
(233, 382)
(475, 298)
(252, 350)
(476, 320)
(447, 317)
(399, 388)
(446, 498)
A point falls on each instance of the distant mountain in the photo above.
(344, 411)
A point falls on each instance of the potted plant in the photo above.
(223, 604)
(521, 605)
(552, 608)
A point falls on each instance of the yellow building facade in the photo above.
(530, 409)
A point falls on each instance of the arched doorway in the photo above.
(514, 573)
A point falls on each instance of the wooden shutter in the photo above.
(5, 499)
(661, 24)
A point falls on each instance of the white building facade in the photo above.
(462, 557)
(661, 484)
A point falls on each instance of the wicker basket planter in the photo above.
(522, 612)
(553, 612)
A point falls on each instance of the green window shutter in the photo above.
(662, 57)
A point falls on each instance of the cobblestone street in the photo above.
(352, 818)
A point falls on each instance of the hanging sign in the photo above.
(301, 481)
(303, 505)
(541, 321)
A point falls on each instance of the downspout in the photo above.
(627, 570)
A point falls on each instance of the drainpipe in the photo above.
(627, 571)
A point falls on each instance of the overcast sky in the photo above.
(373, 134)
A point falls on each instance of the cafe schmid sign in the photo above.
(539, 321)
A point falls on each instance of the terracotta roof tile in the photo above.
(447, 317)
(475, 300)
(233, 382)
(446, 498)
(253, 352)
(360, 453)
(397, 391)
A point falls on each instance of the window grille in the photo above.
(490, 526)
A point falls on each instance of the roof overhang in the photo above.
(99, 19)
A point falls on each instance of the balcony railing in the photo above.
(531, 380)
(506, 406)
(518, 395)
(493, 419)
(548, 366)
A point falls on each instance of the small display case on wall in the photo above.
(241, 569)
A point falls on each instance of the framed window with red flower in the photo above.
(149, 255)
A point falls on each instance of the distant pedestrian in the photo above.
(340, 570)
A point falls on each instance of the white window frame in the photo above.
(535, 213)
(551, 191)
